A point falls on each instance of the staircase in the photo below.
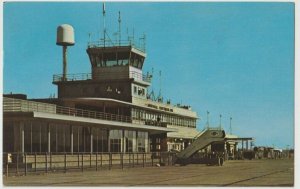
(202, 140)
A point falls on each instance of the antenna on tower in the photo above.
(160, 93)
(207, 123)
(230, 128)
(119, 20)
(220, 121)
(104, 28)
(143, 44)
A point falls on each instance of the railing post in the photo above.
(101, 160)
(143, 159)
(110, 161)
(122, 161)
(65, 162)
(25, 164)
(34, 162)
(96, 161)
(90, 160)
(82, 162)
(152, 157)
(78, 159)
(6, 167)
(17, 163)
(132, 159)
(50, 161)
(46, 168)
(168, 158)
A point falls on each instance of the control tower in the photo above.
(116, 72)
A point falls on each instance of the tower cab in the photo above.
(116, 73)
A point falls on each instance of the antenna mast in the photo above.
(230, 128)
(220, 121)
(104, 28)
(119, 20)
(207, 123)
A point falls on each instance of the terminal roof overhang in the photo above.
(94, 101)
(65, 119)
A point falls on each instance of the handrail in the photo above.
(18, 105)
(116, 43)
(88, 76)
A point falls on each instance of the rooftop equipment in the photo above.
(65, 38)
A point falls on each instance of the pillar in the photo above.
(91, 129)
(242, 145)
(22, 137)
(49, 139)
(71, 138)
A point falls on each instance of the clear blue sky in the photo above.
(234, 59)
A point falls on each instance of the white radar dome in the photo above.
(65, 35)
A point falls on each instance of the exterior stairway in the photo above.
(202, 140)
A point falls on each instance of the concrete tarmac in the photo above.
(279, 172)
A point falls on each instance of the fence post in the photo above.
(50, 161)
(7, 165)
(132, 159)
(25, 164)
(34, 162)
(96, 161)
(65, 162)
(152, 157)
(168, 158)
(17, 163)
(110, 161)
(159, 157)
(122, 161)
(101, 160)
(143, 159)
(90, 160)
(46, 162)
(78, 159)
(82, 162)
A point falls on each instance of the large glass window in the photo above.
(44, 137)
(60, 138)
(130, 141)
(99, 140)
(36, 136)
(53, 138)
(142, 141)
(27, 137)
(115, 139)
(77, 138)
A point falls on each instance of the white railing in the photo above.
(18, 105)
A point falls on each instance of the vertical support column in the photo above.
(49, 138)
(108, 140)
(71, 138)
(242, 145)
(123, 147)
(64, 63)
(247, 147)
(91, 136)
(22, 137)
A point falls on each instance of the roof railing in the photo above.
(18, 105)
(88, 76)
(116, 43)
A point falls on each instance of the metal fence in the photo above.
(19, 164)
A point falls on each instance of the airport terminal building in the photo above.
(107, 110)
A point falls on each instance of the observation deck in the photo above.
(117, 44)
(88, 76)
